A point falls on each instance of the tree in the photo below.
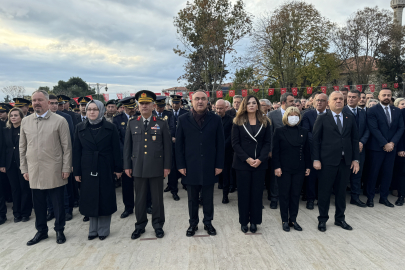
(75, 87)
(14, 91)
(45, 88)
(7, 99)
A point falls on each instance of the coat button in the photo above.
(146, 140)
(200, 131)
(14, 147)
(146, 133)
(146, 146)
(146, 153)
(202, 155)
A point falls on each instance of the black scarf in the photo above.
(199, 118)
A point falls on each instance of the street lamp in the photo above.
(98, 86)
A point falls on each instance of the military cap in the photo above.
(111, 101)
(84, 100)
(63, 98)
(160, 101)
(21, 102)
(128, 102)
(4, 107)
(145, 96)
(119, 104)
(184, 102)
(176, 98)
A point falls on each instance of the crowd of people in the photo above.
(55, 159)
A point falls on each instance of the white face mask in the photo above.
(293, 120)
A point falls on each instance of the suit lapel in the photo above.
(192, 121)
(332, 121)
(208, 118)
(381, 111)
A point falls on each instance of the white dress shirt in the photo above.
(389, 111)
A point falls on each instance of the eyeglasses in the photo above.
(92, 110)
(320, 100)
(198, 98)
(54, 103)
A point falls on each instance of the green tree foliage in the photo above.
(74, 87)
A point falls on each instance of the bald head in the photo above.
(220, 107)
(336, 102)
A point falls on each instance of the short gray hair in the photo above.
(284, 97)
(238, 96)
(265, 101)
(41, 91)
(228, 103)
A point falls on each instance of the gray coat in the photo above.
(276, 121)
(147, 152)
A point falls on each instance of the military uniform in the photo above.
(75, 118)
(22, 102)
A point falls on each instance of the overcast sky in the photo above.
(127, 44)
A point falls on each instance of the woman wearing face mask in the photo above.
(96, 156)
(291, 160)
(251, 140)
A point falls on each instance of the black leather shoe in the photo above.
(210, 229)
(102, 237)
(75, 204)
(370, 203)
(159, 233)
(322, 226)
(68, 217)
(304, 198)
(125, 214)
(273, 205)
(400, 201)
(176, 197)
(220, 186)
(191, 230)
(253, 228)
(286, 227)
(17, 219)
(344, 225)
(2, 220)
(37, 238)
(91, 237)
(386, 202)
(295, 225)
(137, 233)
(167, 189)
(149, 210)
(232, 189)
(85, 219)
(244, 229)
(25, 219)
(357, 202)
(225, 199)
(310, 205)
(50, 216)
(60, 238)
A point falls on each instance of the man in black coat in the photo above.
(236, 101)
(200, 150)
(335, 151)
(66, 104)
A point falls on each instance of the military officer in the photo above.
(111, 110)
(65, 102)
(83, 103)
(147, 157)
(23, 104)
(120, 108)
(4, 109)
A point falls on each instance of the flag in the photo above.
(396, 85)
(119, 96)
(219, 94)
(106, 97)
(244, 92)
(208, 93)
(133, 94)
(336, 88)
(309, 90)
(323, 89)
(372, 87)
(167, 94)
(283, 90)
(347, 87)
(384, 85)
(231, 93)
(190, 95)
(359, 87)
(179, 94)
(271, 91)
(294, 91)
(256, 90)
(158, 94)
(90, 97)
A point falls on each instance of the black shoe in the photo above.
(137, 233)
(304, 198)
(386, 202)
(232, 189)
(184, 187)
(191, 230)
(60, 238)
(159, 233)
(273, 205)
(210, 229)
(17, 219)
(50, 216)
(220, 186)
(126, 213)
(400, 201)
(2, 220)
(295, 225)
(117, 185)
(344, 225)
(102, 237)
(322, 226)
(357, 202)
(68, 217)
(310, 204)
(75, 204)
(253, 228)
(25, 219)
(167, 189)
(244, 229)
(225, 199)
(85, 219)
(176, 197)
(149, 210)
(286, 227)
(91, 237)
(370, 203)
(37, 238)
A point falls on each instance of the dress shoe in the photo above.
(400, 201)
(149, 210)
(60, 238)
(310, 204)
(273, 205)
(344, 225)
(386, 202)
(370, 203)
(184, 187)
(322, 226)
(220, 186)
(286, 227)
(68, 217)
(137, 233)
(232, 189)
(2, 220)
(295, 225)
(91, 237)
(25, 219)
(225, 199)
(357, 202)
(17, 219)
(85, 219)
(176, 197)
(304, 198)
(253, 228)
(191, 230)
(75, 204)
(167, 189)
(37, 238)
(210, 229)
(159, 233)
(244, 229)
(125, 214)
(102, 237)
(50, 216)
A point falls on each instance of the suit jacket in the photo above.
(70, 123)
(231, 112)
(361, 120)
(121, 121)
(76, 119)
(181, 112)
(308, 121)
(227, 126)
(169, 117)
(11, 150)
(248, 145)
(147, 151)
(328, 143)
(380, 132)
(276, 119)
(200, 150)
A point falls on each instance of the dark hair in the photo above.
(344, 89)
(242, 115)
(297, 100)
(316, 93)
(53, 97)
(284, 97)
(357, 92)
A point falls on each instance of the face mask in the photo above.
(293, 120)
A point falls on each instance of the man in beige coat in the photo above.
(45, 161)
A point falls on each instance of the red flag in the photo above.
(347, 87)
(158, 94)
(179, 93)
(271, 91)
(294, 91)
(309, 90)
(90, 97)
(244, 92)
(75, 99)
(359, 87)
(256, 90)
(119, 96)
(133, 94)
(384, 85)
(13, 103)
(190, 95)
(231, 93)
(106, 97)
(167, 94)
(323, 89)
(283, 90)
(219, 94)
(208, 93)
(396, 85)
(372, 87)
(336, 88)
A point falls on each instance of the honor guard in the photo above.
(64, 104)
(23, 104)
(147, 157)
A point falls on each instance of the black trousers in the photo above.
(271, 183)
(312, 186)
(22, 195)
(381, 163)
(3, 207)
(225, 176)
(128, 192)
(289, 187)
(57, 198)
(250, 194)
(207, 196)
(5, 185)
(398, 179)
(158, 212)
(173, 177)
(336, 178)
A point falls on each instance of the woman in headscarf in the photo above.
(96, 156)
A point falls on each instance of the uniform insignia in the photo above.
(165, 118)
(153, 138)
(143, 95)
(136, 127)
(123, 123)
(139, 118)
(154, 119)
(155, 127)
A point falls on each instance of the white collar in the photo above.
(334, 114)
(318, 112)
(282, 111)
(42, 115)
(143, 118)
(384, 106)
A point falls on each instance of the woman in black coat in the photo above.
(22, 196)
(291, 160)
(251, 140)
(96, 157)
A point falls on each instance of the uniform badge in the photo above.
(165, 118)
(136, 127)
(153, 138)
(123, 123)
(155, 127)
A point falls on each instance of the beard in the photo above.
(386, 101)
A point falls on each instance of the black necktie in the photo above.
(339, 123)
(387, 114)
(146, 124)
(354, 111)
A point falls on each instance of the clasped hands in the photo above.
(389, 147)
(354, 166)
(254, 162)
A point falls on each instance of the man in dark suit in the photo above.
(353, 98)
(65, 109)
(236, 101)
(308, 121)
(386, 126)
(362, 101)
(202, 160)
(147, 158)
(3, 207)
(227, 126)
(335, 151)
